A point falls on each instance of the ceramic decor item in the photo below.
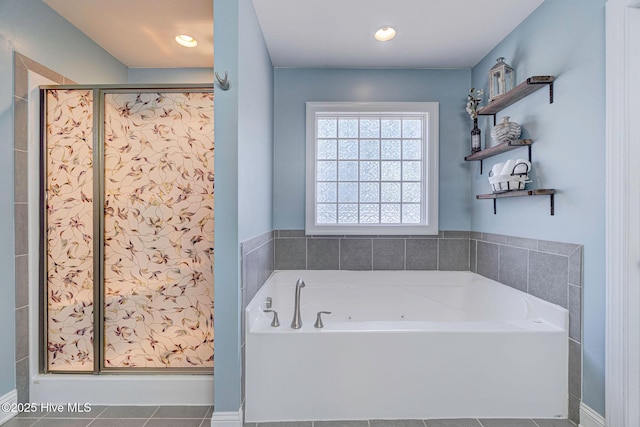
(505, 131)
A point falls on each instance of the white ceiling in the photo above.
(141, 33)
(304, 33)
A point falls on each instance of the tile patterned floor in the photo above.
(119, 416)
(200, 416)
(467, 422)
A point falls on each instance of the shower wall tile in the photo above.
(22, 229)
(473, 255)
(575, 368)
(291, 253)
(488, 258)
(453, 254)
(521, 242)
(575, 267)
(575, 312)
(291, 233)
(388, 254)
(21, 125)
(513, 267)
(548, 277)
(356, 254)
(22, 280)
(422, 254)
(24, 64)
(20, 181)
(456, 234)
(494, 238)
(22, 333)
(22, 380)
(558, 248)
(254, 243)
(323, 254)
(257, 265)
(21, 77)
(372, 251)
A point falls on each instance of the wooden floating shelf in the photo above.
(520, 193)
(498, 149)
(525, 88)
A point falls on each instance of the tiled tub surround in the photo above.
(548, 270)
(449, 250)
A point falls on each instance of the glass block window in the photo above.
(371, 168)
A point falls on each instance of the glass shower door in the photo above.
(158, 230)
(129, 271)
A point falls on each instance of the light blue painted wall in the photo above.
(243, 168)
(33, 29)
(226, 274)
(295, 86)
(170, 75)
(255, 128)
(564, 38)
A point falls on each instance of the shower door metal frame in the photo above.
(99, 92)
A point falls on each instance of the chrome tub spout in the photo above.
(296, 323)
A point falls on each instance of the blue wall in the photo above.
(295, 86)
(33, 29)
(170, 75)
(243, 168)
(564, 38)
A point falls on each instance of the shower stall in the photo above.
(126, 264)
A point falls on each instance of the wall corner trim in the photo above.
(590, 418)
(10, 399)
(228, 419)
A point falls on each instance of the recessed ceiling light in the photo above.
(186, 41)
(385, 34)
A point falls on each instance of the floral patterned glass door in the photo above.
(158, 230)
(155, 215)
(68, 155)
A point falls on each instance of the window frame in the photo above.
(429, 110)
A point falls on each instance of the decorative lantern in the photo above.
(500, 79)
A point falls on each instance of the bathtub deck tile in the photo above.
(460, 422)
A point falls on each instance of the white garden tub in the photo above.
(403, 345)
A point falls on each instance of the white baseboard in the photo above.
(590, 418)
(10, 399)
(227, 419)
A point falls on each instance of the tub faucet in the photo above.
(296, 323)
